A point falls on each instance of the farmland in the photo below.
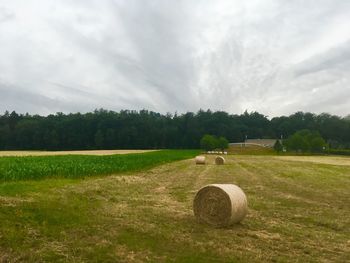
(298, 211)
(50, 153)
(73, 166)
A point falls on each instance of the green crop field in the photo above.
(299, 209)
(74, 166)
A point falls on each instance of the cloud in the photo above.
(270, 56)
(6, 15)
(337, 58)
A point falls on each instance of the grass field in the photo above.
(299, 211)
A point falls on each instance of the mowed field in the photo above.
(299, 211)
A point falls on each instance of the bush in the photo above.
(339, 151)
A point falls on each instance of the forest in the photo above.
(130, 129)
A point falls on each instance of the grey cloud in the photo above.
(271, 56)
(337, 100)
(6, 15)
(14, 98)
(334, 58)
(22, 100)
(158, 32)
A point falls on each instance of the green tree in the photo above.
(318, 144)
(54, 140)
(306, 141)
(298, 143)
(208, 142)
(109, 139)
(4, 136)
(222, 143)
(99, 139)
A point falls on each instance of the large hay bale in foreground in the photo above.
(219, 160)
(220, 205)
(200, 159)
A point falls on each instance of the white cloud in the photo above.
(271, 56)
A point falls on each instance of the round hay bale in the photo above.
(220, 205)
(200, 159)
(219, 160)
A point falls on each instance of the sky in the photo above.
(274, 57)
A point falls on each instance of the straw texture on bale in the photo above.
(220, 205)
(219, 160)
(200, 159)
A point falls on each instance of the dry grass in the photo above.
(251, 150)
(333, 160)
(298, 212)
(49, 153)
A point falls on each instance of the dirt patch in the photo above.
(13, 201)
(333, 160)
(94, 152)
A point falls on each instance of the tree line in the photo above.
(144, 129)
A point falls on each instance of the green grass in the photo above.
(75, 166)
(298, 212)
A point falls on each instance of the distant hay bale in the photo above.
(200, 159)
(219, 160)
(220, 205)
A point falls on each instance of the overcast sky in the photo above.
(274, 57)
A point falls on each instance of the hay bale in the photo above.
(200, 159)
(219, 160)
(220, 205)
